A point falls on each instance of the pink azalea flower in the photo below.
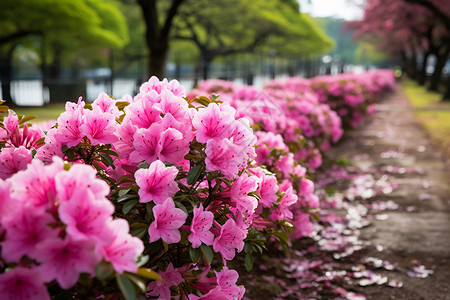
(35, 186)
(80, 178)
(124, 249)
(12, 160)
(283, 212)
(51, 148)
(174, 105)
(176, 88)
(172, 147)
(143, 113)
(125, 132)
(183, 125)
(231, 238)
(72, 106)
(146, 144)
(153, 84)
(316, 160)
(201, 223)
(286, 164)
(69, 123)
(99, 127)
(106, 104)
(306, 187)
(267, 190)
(161, 288)
(239, 191)
(64, 260)
(157, 183)
(85, 217)
(224, 156)
(11, 122)
(227, 279)
(25, 229)
(303, 226)
(168, 219)
(213, 122)
(6, 205)
(244, 137)
(214, 294)
(23, 283)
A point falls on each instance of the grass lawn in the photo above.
(436, 121)
(43, 113)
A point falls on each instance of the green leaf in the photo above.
(126, 287)
(142, 260)
(110, 152)
(139, 232)
(194, 174)
(180, 205)
(124, 191)
(194, 253)
(248, 262)
(202, 100)
(143, 165)
(107, 159)
(137, 282)
(121, 104)
(207, 253)
(126, 197)
(104, 270)
(127, 207)
(149, 274)
(26, 119)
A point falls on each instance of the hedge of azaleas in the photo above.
(153, 194)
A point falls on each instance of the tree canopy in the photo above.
(63, 26)
(230, 27)
(411, 31)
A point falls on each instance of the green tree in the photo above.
(62, 25)
(158, 18)
(229, 27)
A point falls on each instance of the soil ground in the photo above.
(391, 146)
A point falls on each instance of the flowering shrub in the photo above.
(353, 95)
(156, 181)
(154, 194)
(293, 111)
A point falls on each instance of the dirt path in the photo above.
(418, 232)
(385, 220)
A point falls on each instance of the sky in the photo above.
(346, 9)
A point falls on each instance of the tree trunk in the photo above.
(438, 68)
(156, 37)
(423, 70)
(6, 74)
(157, 59)
(207, 58)
(61, 89)
(446, 96)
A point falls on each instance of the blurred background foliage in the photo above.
(72, 48)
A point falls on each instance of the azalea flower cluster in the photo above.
(306, 125)
(157, 176)
(57, 224)
(353, 96)
(157, 192)
(309, 113)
